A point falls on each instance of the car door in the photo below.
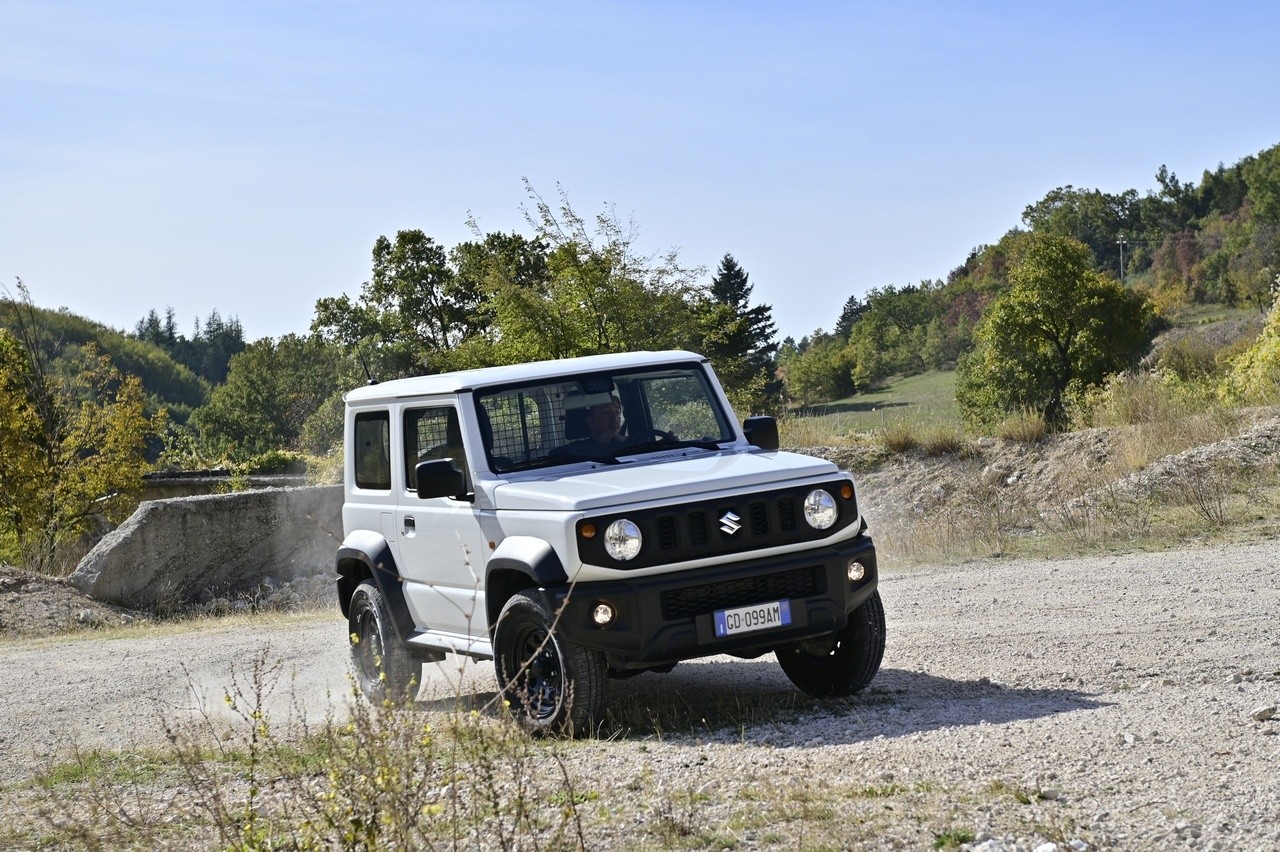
(440, 538)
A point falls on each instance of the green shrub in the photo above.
(274, 462)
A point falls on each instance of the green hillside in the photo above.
(66, 337)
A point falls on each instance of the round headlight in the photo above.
(820, 509)
(622, 540)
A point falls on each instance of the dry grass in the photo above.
(1026, 427)
(943, 439)
(800, 431)
(898, 436)
(387, 777)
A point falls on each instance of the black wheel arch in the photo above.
(520, 563)
(365, 555)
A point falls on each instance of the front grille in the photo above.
(697, 528)
(714, 528)
(697, 600)
(667, 532)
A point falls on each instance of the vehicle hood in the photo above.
(663, 478)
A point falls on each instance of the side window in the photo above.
(429, 434)
(373, 450)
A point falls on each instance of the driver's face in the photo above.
(605, 419)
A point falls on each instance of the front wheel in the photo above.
(551, 685)
(843, 662)
(383, 666)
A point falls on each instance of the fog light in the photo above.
(603, 615)
(856, 571)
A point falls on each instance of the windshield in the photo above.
(600, 417)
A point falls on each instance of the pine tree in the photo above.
(739, 337)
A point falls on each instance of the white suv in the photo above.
(487, 514)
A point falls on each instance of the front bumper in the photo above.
(665, 618)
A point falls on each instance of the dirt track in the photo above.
(1111, 701)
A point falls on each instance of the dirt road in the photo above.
(1108, 701)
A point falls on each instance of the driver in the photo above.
(604, 421)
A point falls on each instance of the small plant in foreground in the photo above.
(953, 838)
(389, 776)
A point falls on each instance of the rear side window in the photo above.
(373, 450)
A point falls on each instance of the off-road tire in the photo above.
(549, 684)
(839, 663)
(383, 666)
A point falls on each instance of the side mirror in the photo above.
(761, 431)
(440, 478)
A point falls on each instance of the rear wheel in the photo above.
(843, 662)
(383, 666)
(549, 684)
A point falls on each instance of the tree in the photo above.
(272, 388)
(1095, 218)
(599, 295)
(411, 313)
(207, 354)
(818, 373)
(72, 442)
(738, 337)
(1061, 328)
(1262, 174)
(852, 311)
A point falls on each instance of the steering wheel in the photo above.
(653, 434)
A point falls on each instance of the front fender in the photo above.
(365, 553)
(519, 562)
(528, 555)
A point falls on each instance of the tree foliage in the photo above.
(60, 335)
(207, 353)
(578, 286)
(819, 372)
(410, 314)
(1060, 329)
(72, 444)
(1255, 374)
(738, 337)
(600, 294)
(272, 388)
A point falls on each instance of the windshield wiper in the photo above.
(561, 458)
(664, 444)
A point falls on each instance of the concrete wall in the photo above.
(165, 487)
(173, 551)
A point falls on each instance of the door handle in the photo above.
(410, 527)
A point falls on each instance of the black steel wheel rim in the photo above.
(539, 673)
(368, 646)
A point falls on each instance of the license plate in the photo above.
(746, 619)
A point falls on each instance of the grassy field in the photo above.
(926, 399)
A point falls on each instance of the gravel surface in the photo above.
(1112, 701)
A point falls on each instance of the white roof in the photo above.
(449, 383)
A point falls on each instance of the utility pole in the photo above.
(1120, 242)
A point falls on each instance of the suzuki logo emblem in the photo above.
(729, 523)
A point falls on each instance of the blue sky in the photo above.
(245, 156)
